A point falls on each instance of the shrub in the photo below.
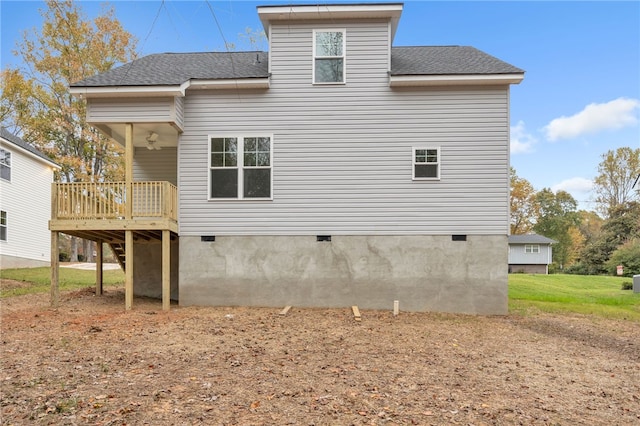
(628, 255)
(63, 256)
(627, 285)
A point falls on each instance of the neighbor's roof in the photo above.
(10, 137)
(530, 239)
(171, 69)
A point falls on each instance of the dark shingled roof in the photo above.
(10, 137)
(171, 69)
(446, 60)
(530, 239)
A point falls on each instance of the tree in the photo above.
(522, 205)
(36, 102)
(617, 172)
(556, 217)
(621, 228)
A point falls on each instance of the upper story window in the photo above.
(426, 163)
(240, 167)
(328, 56)
(532, 248)
(5, 164)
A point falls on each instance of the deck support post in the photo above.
(128, 279)
(99, 272)
(55, 268)
(166, 270)
(128, 244)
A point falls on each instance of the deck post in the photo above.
(99, 272)
(128, 175)
(166, 270)
(128, 280)
(55, 267)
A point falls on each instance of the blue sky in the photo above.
(579, 99)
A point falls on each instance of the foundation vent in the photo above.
(321, 238)
(208, 238)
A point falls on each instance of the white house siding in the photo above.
(155, 165)
(27, 201)
(342, 158)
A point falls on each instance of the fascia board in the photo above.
(457, 80)
(238, 83)
(128, 91)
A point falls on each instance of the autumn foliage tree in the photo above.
(522, 204)
(36, 102)
(617, 173)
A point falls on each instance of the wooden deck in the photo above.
(105, 213)
(102, 211)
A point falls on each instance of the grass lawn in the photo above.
(597, 295)
(69, 279)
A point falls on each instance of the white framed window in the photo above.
(426, 163)
(240, 167)
(532, 248)
(5, 164)
(329, 47)
(3, 225)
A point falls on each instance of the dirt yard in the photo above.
(91, 363)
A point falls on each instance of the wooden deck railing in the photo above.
(85, 200)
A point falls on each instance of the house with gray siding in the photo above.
(530, 253)
(333, 170)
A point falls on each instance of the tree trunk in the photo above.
(73, 251)
(88, 250)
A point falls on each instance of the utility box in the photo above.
(636, 283)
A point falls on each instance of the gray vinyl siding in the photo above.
(518, 256)
(139, 110)
(155, 165)
(342, 156)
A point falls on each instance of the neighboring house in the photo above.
(636, 184)
(333, 170)
(26, 175)
(531, 254)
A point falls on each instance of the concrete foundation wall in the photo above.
(424, 273)
(9, 262)
(528, 269)
(147, 271)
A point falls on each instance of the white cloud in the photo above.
(575, 184)
(593, 118)
(521, 141)
(580, 189)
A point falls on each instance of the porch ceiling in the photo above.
(167, 133)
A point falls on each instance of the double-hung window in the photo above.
(328, 56)
(3, 226)
(240, 167)
(426, 163)
(5, 164)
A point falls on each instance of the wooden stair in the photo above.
(119, 253)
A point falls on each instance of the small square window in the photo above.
(426, 163)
